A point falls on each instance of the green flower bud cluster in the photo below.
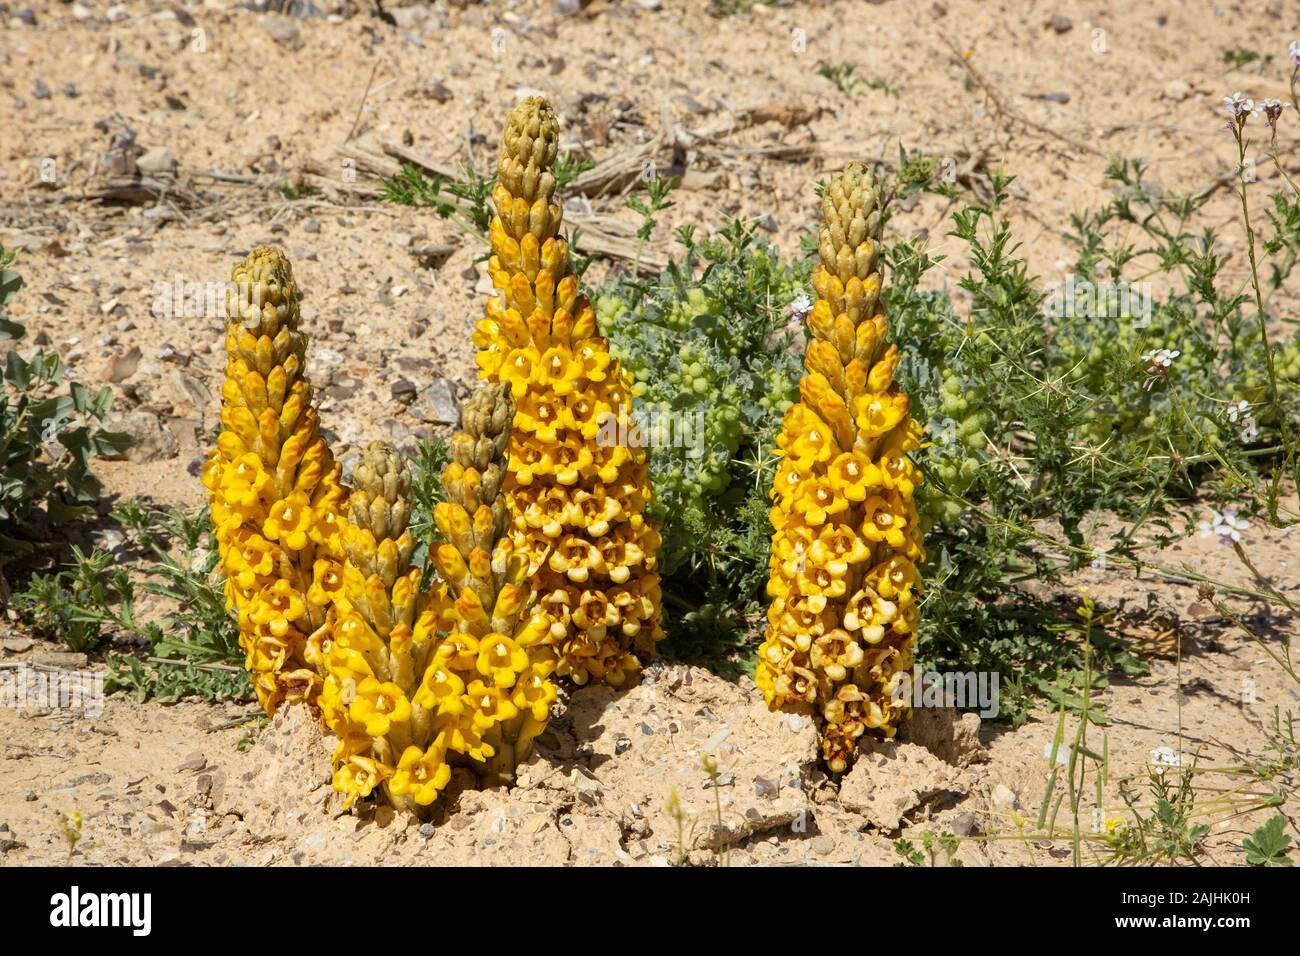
(715, 350)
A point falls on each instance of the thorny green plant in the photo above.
(657, 189)
(431, 457)
(710, 345)
(1042, 407)
(465, 201)
(1175, 806)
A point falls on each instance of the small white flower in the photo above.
(1163, 757)
(800, 306)
(1271, 110)
(1293, 53)
(1161, 358)
(1227, 527)
(1237, 106)
(1239, 414)
(1158, 363)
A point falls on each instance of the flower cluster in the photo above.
(368, 650)
(577, 506)
(458, 676)
(1239, 109)
(1158, 362)
(1225, 527)
(1270, 111)
(1242, 416)
(273, 483)
(842, 623)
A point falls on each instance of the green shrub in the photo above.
(712, 346)
(48, 436)
(1045, 407)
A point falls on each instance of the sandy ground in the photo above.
(237, 119)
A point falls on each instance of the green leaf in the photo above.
(1267, 846)
(48, 367)
(61, 512)
(80, 397)
(10, 330)
(52, 412)
(108, 444)
(10, 283)
(17, 372)
(101, 404)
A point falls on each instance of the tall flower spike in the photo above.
(377, 644)
(497, 653)
(576, 505)
(457, 677)
(273, 483)
(842, 621)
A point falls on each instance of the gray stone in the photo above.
(439, 90)
(158, 161)
(438, 405)
(283, 31)
(194, 762)
(408, 18)
(150, 440)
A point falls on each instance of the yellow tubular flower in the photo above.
(273, 484)
(843, 579)
(487, 689)
(576, 508)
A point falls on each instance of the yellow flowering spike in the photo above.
(576, 506)
(380, 635)
(843, 581)
(273, 484)
(489, 690)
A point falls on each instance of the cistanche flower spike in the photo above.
(576, 505)
(417, 685)
(273, 484)
(843, 583)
